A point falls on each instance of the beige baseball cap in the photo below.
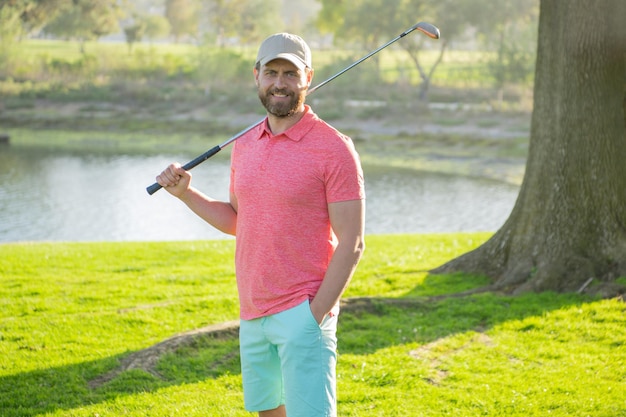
(285, 46)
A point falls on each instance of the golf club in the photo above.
(428, 29)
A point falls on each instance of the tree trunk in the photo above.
(569, 221)
(426, 78)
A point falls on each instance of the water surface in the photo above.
(90, 197)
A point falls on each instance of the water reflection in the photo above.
(71, 197)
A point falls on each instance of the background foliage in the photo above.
(217, 40)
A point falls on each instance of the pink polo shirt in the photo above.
(283, 185)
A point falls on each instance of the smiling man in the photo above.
(297, 208)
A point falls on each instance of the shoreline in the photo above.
(487, 144)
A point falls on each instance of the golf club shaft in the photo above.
(426, 28)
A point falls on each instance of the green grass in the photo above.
(69, 312)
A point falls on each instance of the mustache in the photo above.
(280, 91)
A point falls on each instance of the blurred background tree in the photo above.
(134, 32)
(228, 22)
(85, 20)
(368, 22)
(183, 17)
(500, 36)
(156, 26)
(509, 29)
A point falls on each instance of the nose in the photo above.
(279, 81)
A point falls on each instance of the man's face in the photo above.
(282, 87)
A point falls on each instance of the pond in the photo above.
(48, 196)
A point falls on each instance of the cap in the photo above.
(285, 46)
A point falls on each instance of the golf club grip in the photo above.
(202, 158)
(153, 188)
(189, 165)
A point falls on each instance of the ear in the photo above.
(309, 76)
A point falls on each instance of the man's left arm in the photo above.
(347, 218)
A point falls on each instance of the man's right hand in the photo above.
(175, 179)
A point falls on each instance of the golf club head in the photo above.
(429, 30)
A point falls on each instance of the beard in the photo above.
(283, 108)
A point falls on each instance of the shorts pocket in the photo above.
(310, 315)
(332, 315)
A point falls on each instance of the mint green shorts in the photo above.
(287, 358)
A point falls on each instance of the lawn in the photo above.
(70, 313)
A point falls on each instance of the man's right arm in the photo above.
(220, 214)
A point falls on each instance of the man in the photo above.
(297, 210)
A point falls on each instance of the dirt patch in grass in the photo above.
(147, 359)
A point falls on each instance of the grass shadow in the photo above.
(367, 325)
(34, 393)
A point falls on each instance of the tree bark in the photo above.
(569, 221)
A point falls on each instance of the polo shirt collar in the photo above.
(295, 132)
